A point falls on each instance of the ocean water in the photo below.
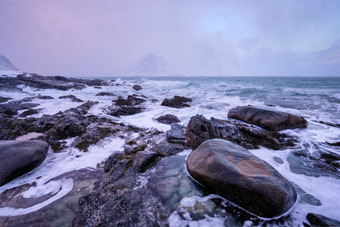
(317, 99)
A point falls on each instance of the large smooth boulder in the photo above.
(20, 157)
(239, 176)
(267, 119)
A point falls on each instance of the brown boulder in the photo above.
(267, 119)
(236, 174)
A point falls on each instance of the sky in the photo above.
(101, 38)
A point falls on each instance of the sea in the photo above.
(317, 99)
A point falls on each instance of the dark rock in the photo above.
(94, 133)
(175, 134)
(72, 97)
(105, 94)
(336, 144)
(12, 108)
(4, 99)
(46, 82)
(320, 220)
(199, 129)
(267, 119)
(131, 100)
(177, 102)
(137, 87)
(167, 149)
(330, 124)
(125, 110)
(21, 157)
(233, 172)
(29, 112)
(168, 119)
(143, 160)
(44, 97)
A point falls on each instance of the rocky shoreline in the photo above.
(146, 182)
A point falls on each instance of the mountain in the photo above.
(6, 64)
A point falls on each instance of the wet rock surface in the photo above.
(176, 102)
(20, 157)
(105, 94)
(267, 119)
(168, 119)
(233, 172)
(200, 129)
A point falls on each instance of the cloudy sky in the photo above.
(172, 37)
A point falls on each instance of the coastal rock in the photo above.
(131, 100)
(44, 82)
(320, 163)
(320, 220)
(29, 112)
(105, 94)
(44, 97)
(267, 119)
(21, 157)
(234, 173)
(124, 111)
(177, 102)
(168, 149)
(143, 160)
(12, 108)
(128, 106)
(200, 129)
(4, 99)
(175, 134)
(168, 119)
(72, 97)
(137, 87)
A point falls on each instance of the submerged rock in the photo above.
(200, 129)
(4, 99)
(267, 119)
(234, 173)
(177, 102)
(20, 157)
(168, 119)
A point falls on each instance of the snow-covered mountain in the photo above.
(6, 64)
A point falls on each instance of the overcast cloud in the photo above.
(173, 37)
